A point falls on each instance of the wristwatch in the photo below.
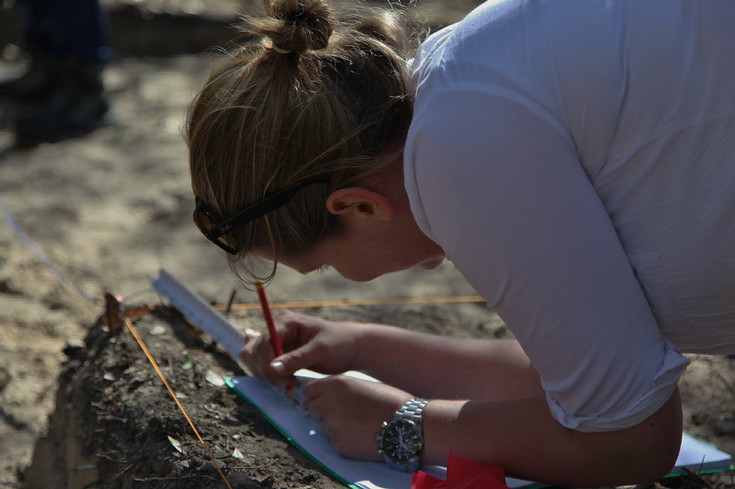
(401, 439)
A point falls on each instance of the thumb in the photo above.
(288, 363)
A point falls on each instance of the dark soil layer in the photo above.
(116, 426)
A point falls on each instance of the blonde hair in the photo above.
(303, 95)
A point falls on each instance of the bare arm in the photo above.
(426, 365)
(450, 368)
(522, 436)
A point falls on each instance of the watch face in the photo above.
(401, 440)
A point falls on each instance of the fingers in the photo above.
(351, 411)
(309, 342)
(304, 356)
(258, 356)
(316, 401)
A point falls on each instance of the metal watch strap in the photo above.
(412, 409)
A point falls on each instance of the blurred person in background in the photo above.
(62, 93)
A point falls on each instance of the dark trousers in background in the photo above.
(63, 29)
(62, 94)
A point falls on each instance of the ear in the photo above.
(360, 202)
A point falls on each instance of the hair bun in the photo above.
(300, 24)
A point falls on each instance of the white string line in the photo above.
(23, 236)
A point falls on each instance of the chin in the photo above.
(363, 277)
(366, 275)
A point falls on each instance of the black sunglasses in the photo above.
(215, 232)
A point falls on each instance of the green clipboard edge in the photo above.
(716, 470)
(293, 442)
(228, 382)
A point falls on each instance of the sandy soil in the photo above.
(110, 209)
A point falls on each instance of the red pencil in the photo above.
(272, 333)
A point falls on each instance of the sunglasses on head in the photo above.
(217, 232)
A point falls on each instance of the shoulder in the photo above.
(520, 36)
(529, 52)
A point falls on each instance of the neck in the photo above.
(404, 232)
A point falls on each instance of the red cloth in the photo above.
(462, 474)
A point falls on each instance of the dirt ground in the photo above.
(106, 211)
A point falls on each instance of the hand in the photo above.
(308, 342)
(352, 412)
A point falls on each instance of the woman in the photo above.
(576, 162)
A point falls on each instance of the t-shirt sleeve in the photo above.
(497, 183)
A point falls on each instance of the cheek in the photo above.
(359, 260)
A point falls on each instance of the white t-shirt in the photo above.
(576, 162)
